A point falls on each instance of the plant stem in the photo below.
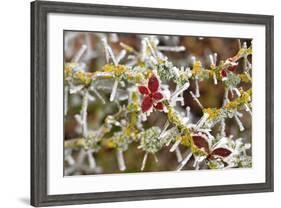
(120, 160)
(66, 90)
(178, 154)
(144, 161)
(186, 159)
(84, 114)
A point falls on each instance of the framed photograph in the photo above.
(133, 103)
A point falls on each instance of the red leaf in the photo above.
(159, 106)
(233, 67)
(201, 142)
(223, 73)
(153, 84)
(221, 152)
(143, 90)
(157, 95)
(146, 104)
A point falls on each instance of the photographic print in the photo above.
(121, 95)
(150, 103)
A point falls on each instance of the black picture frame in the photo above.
(39, 98)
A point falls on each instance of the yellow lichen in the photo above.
(245, 77)
(67, 71)
(185, 140)
(212, 112)
(109, 143)
(138, 78)
(243, 99)
(117, 70)
(245, 51)
(83, 77)
(196, 69)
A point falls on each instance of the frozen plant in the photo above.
(142, 82)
